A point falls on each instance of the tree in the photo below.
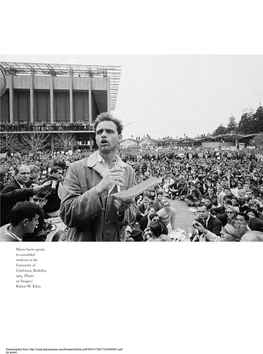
(10, 142)
(257, 140)
(63, 141)
(220, 130)
(232, 125)
(258, 117)
(246, 124)
(36, 141)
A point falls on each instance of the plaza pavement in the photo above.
(184, 216)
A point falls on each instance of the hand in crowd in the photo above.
(45, 187)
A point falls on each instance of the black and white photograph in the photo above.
(131, 122)
(186, 133)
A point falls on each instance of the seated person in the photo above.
(194, 196)
(24, 219)
(167, 215)
(157, 236)
(147, 232)
(231, 232)
(255, 234)
(208, 221)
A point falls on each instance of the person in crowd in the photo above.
(255, 205)
(24, 219)
(132, 233)
(34, 176)
(252, 213)
(157, 204)
(145, 220)
(157, 235)
(21, 178)
(243, 218)
(231, 232)
(255, 234)
(147, 232)
(42, 229)
(208, 221)
(88, 207)
(52, 207)
(9, 199)
(167, 215)
(3, 178)
(220, 195)
(208, 203)
(194, 197)
(211, 195)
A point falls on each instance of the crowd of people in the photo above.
(222, 187)
(46, 126)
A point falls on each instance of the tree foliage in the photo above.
(257, 140)
(63, 141)
(220, 130)
(232, 125)
(36, 141)
(10, 142)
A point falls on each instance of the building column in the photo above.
(90, 113)
(71, 97)
(90, 101)
(108, 95)
(11, 99)
(32, 98)
(51, 99)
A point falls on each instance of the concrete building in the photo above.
(49, 96)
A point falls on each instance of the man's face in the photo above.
(227, 191)
(210, 191)
(207, 202)
(23, 175)
(166, 206)
(31, 224)
(160, 197)
(203, 213)
(38, 200)
(241, 219)
(107, 137)
(58, 175)
(151, 211)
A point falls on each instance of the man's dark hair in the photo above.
(55, 169)
(246, 217)
(202, 205)
(108, 117)
(24, 210)
(156, 228)
(228, 201)
(153, 215)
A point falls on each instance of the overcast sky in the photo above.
(173, 95)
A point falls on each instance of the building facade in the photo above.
(51, 97)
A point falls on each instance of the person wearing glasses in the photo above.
(231, 212)
(231, 232)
